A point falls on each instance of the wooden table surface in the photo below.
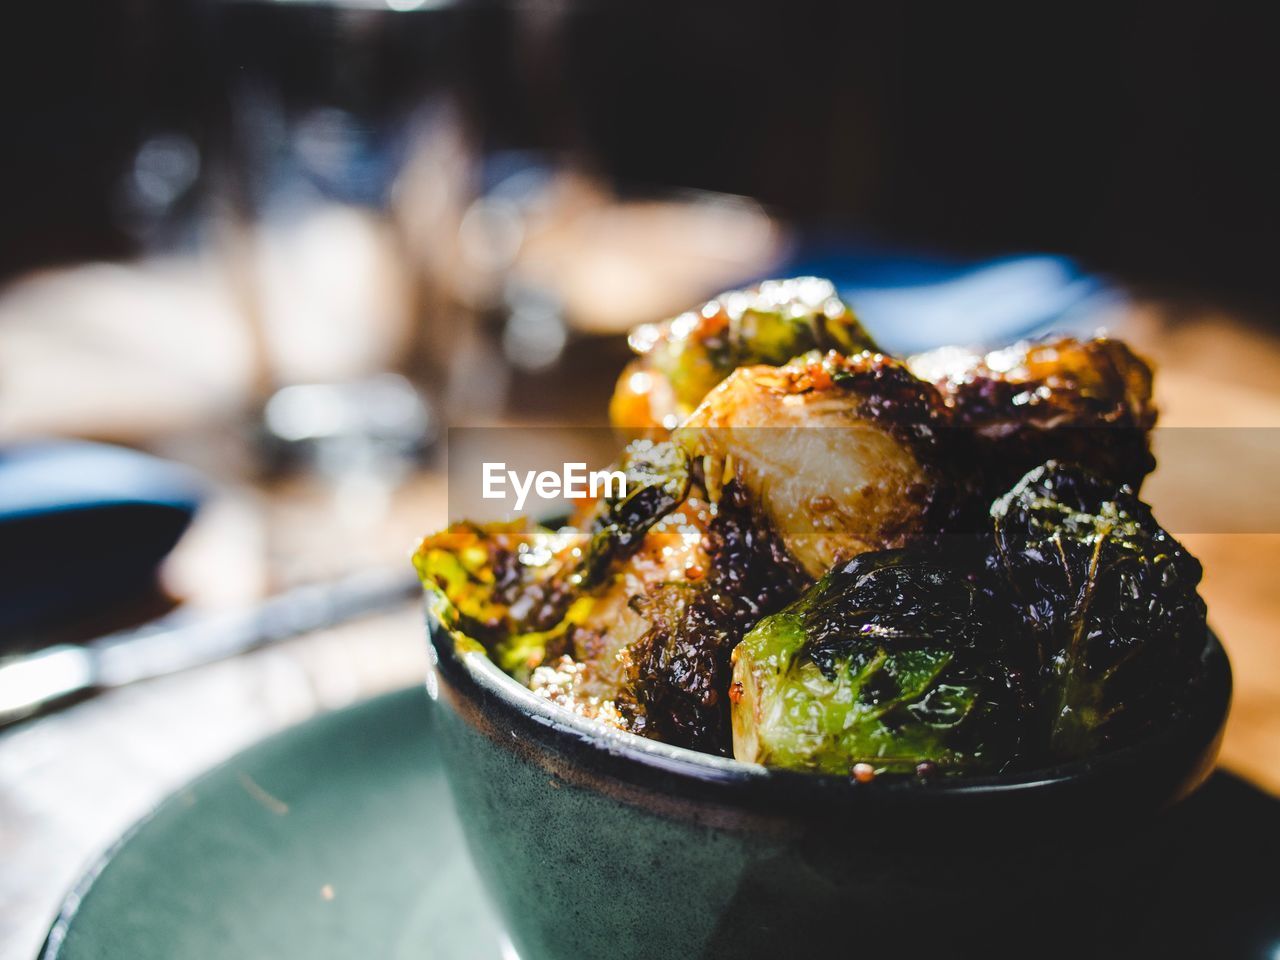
(71, 782)
(1218, 387)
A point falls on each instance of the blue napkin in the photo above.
(83, 526)
(911, 302)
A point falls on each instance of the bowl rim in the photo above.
(1198, 732)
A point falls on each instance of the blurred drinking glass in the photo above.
(327, 105)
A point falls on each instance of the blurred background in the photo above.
(257, 257)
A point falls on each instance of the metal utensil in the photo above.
(186, 639)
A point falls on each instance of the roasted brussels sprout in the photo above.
(1080, 401)
(507, 587)
(587, 668)
(677, 676)
(683, 358)
(838, 454)
(892, 661)
(1109, 601)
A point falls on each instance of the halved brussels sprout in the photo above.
(891, 661)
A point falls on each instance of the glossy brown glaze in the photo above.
(1083, 401)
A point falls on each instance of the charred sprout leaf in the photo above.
(588, 671)
(505, 588)
(657, 482)
(678, 671)
(892, 660)
(683, 358)
(1110, 599)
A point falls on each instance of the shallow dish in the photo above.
(335, 839)
(216, 873)
(600, 843)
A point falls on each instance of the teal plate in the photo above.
(336, 838)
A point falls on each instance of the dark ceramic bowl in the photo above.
(600, 844)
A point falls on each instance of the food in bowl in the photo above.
(833, 560)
